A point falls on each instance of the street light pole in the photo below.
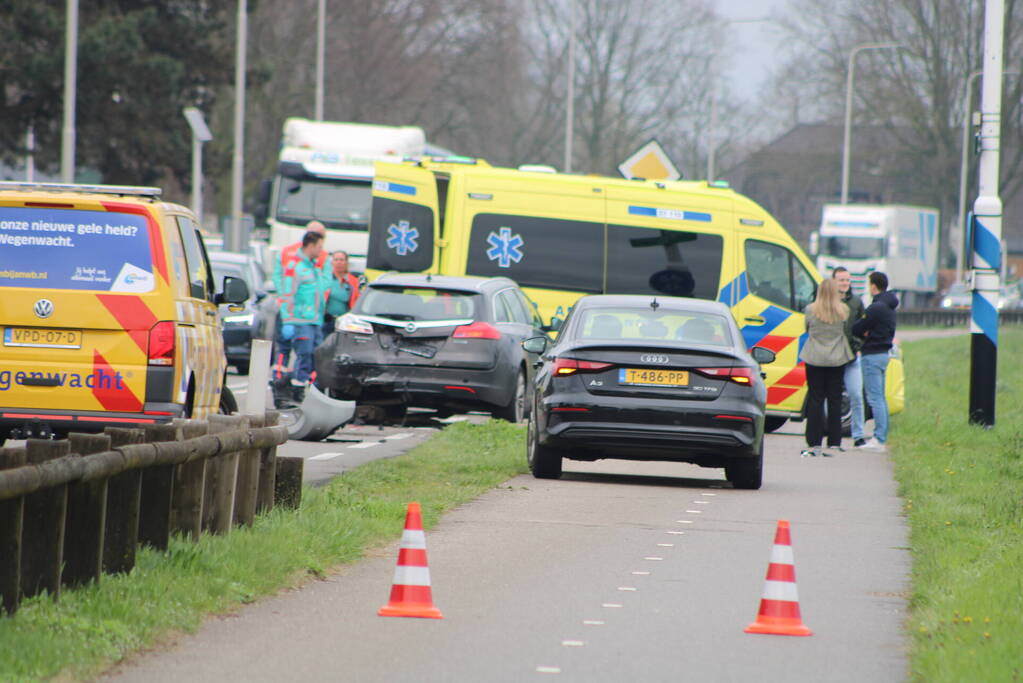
(987, 231)
(570, 95)
(963, 168)
(321, 43)
(67, 147)
(233, 241)
(848, 109)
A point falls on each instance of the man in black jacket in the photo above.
(853, 374)
(877, 330)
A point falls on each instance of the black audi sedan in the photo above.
(452, 344)
(649, 378)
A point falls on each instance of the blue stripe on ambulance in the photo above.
(387, 186)
(671, 214)
(735, 291)
(773, 317)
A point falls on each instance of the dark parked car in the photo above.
(452, 344)
(255, 319)
(649, 378)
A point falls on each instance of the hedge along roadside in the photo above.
(93, 627)
(962, 488)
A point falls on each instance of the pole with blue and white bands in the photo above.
(987, 229)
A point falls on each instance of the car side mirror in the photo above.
(235, 291)
(535, 345)
(762, 355)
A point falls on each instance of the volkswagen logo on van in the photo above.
(43, 308)
(654, 359)
(411, 327)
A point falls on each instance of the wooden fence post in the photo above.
(10, 536)
(221, 475)
(267, 470)
(42, 536)
(85, 522)
(157, 489)
(124, 491)
(187, 500)
(247, 486)
(288, 487)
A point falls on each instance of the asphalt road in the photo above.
(617, 571)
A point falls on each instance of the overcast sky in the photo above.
(753, 47)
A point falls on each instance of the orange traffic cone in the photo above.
(411, 595)
(779, 606)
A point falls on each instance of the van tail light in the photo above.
(739, 375)
(161, 343)
(571, 366)
(476, 330)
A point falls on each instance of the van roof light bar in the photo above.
(95, 189)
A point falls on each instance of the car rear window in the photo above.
(418, 303)
(637, 325)
(46, 248)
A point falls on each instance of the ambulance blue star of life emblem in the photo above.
(505, 247)
(403, 238)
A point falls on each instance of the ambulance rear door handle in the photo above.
(755, 319)
(211, 313)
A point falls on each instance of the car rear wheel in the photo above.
(746, 473)
(515, 411)
(228, 404)
(772, 424)
(544, 462)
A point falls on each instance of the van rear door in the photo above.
(80, 294)
(403, 220)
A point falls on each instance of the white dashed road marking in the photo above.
(701, 502)
(398, 437)
(653, 559)
(695, 512)
(610, 604)
(626, 588)
(367, 444)
(572, 643)
(548, 669)
(324, 456)
(684, 521)
(593, 622)
(675, 533)
(665, 545)
(641, 573)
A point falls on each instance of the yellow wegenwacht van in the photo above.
(561, 236)
(108, 310)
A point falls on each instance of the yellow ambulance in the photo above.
(562, 236)
(108, 311)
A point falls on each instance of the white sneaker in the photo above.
(873, 445)
(810, 452)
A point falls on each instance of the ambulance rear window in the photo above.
(45, 248)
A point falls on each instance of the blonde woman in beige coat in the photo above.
(826, 354)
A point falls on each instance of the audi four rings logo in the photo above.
(654, 358)
(43, 308)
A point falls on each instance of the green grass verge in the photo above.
(962, 488)
(90, 628)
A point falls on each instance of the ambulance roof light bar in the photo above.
(95, 189)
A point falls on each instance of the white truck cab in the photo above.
(325, 173)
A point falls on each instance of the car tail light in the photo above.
(738, 375)
(349, 323)
(161, 343)
(477, 330)
(570, 366)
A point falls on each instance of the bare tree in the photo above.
(915, 93)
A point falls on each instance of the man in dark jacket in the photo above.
(877, 329)
(853, 374)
